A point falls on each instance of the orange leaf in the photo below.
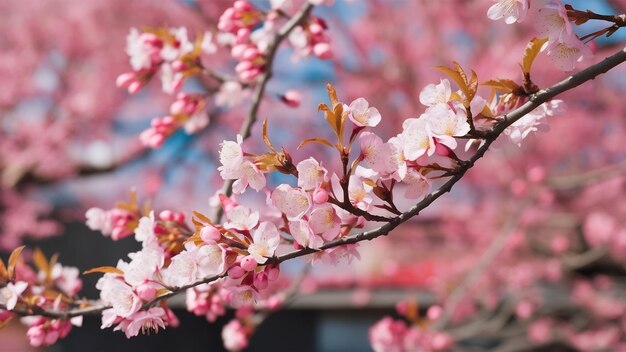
(104, 269)
(3, 272)
(15, 255)
(332, 94)
(315, 140)
(266, 138)
(202, 217)
(530, 53)
(40, 260)
(505, 85)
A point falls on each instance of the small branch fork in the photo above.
(534, 101)
(257, 96)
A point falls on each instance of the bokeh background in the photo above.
(69, 141)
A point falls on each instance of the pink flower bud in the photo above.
(236, 272)
(518, 187)
(243, 34)
(177, 107)
(442, 150)
(441, 341)
(273, 272)
(179, 65)
(134, 87)
(151, 39)
(249, 75)
(242, 5)
(316, 28)
(434, 312)
(179, 217)
(166, 215)
(320, 196)
(250, 53)
(274, 303)
(125, 79)
(238, 50)
(172, 319)
(227, 203)
(292, 98)
(244, 66)
(248, 263)
(260, 281)
(210, 234)
(146, 292)
(524, 309)
(323, 51)
(536, 174)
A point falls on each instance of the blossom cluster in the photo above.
(175, 256)
(168, 52)
(563, 46)
(245, 31)
(118, 222)
(50, 286)
(187, 111)
(389, 334)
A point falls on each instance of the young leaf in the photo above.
(315, 140)
(332, 95)
(40, 260)
(530, 53)
(202, 217)
(15, 255)
(329, 116)
(504, 85)
(468, 87)
(266, 138)
(104, 269)
(3, 272)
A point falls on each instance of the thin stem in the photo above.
(259, 90)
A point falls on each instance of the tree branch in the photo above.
(257, 96)
(534, 101)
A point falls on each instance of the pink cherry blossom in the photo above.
(416, 138)
(143, 266)
(293, 202)
(553, 22)
(567, 52)
(445, 123)
(211, 259)
(388, 335)
(241, 218)
(532, 121)
(234, 336)
(119, 295)
(511, 10)
(310, 174)
(183, 269)
(362, 115)
(144, 321)
(325, 222)
(303, 234)
(11, 292)
(266, 239)
(434, 94)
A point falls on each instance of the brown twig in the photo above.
(534, 101)
(259, 90)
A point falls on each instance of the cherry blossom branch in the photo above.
(259, 91)
(534, 101)
(617, 20)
